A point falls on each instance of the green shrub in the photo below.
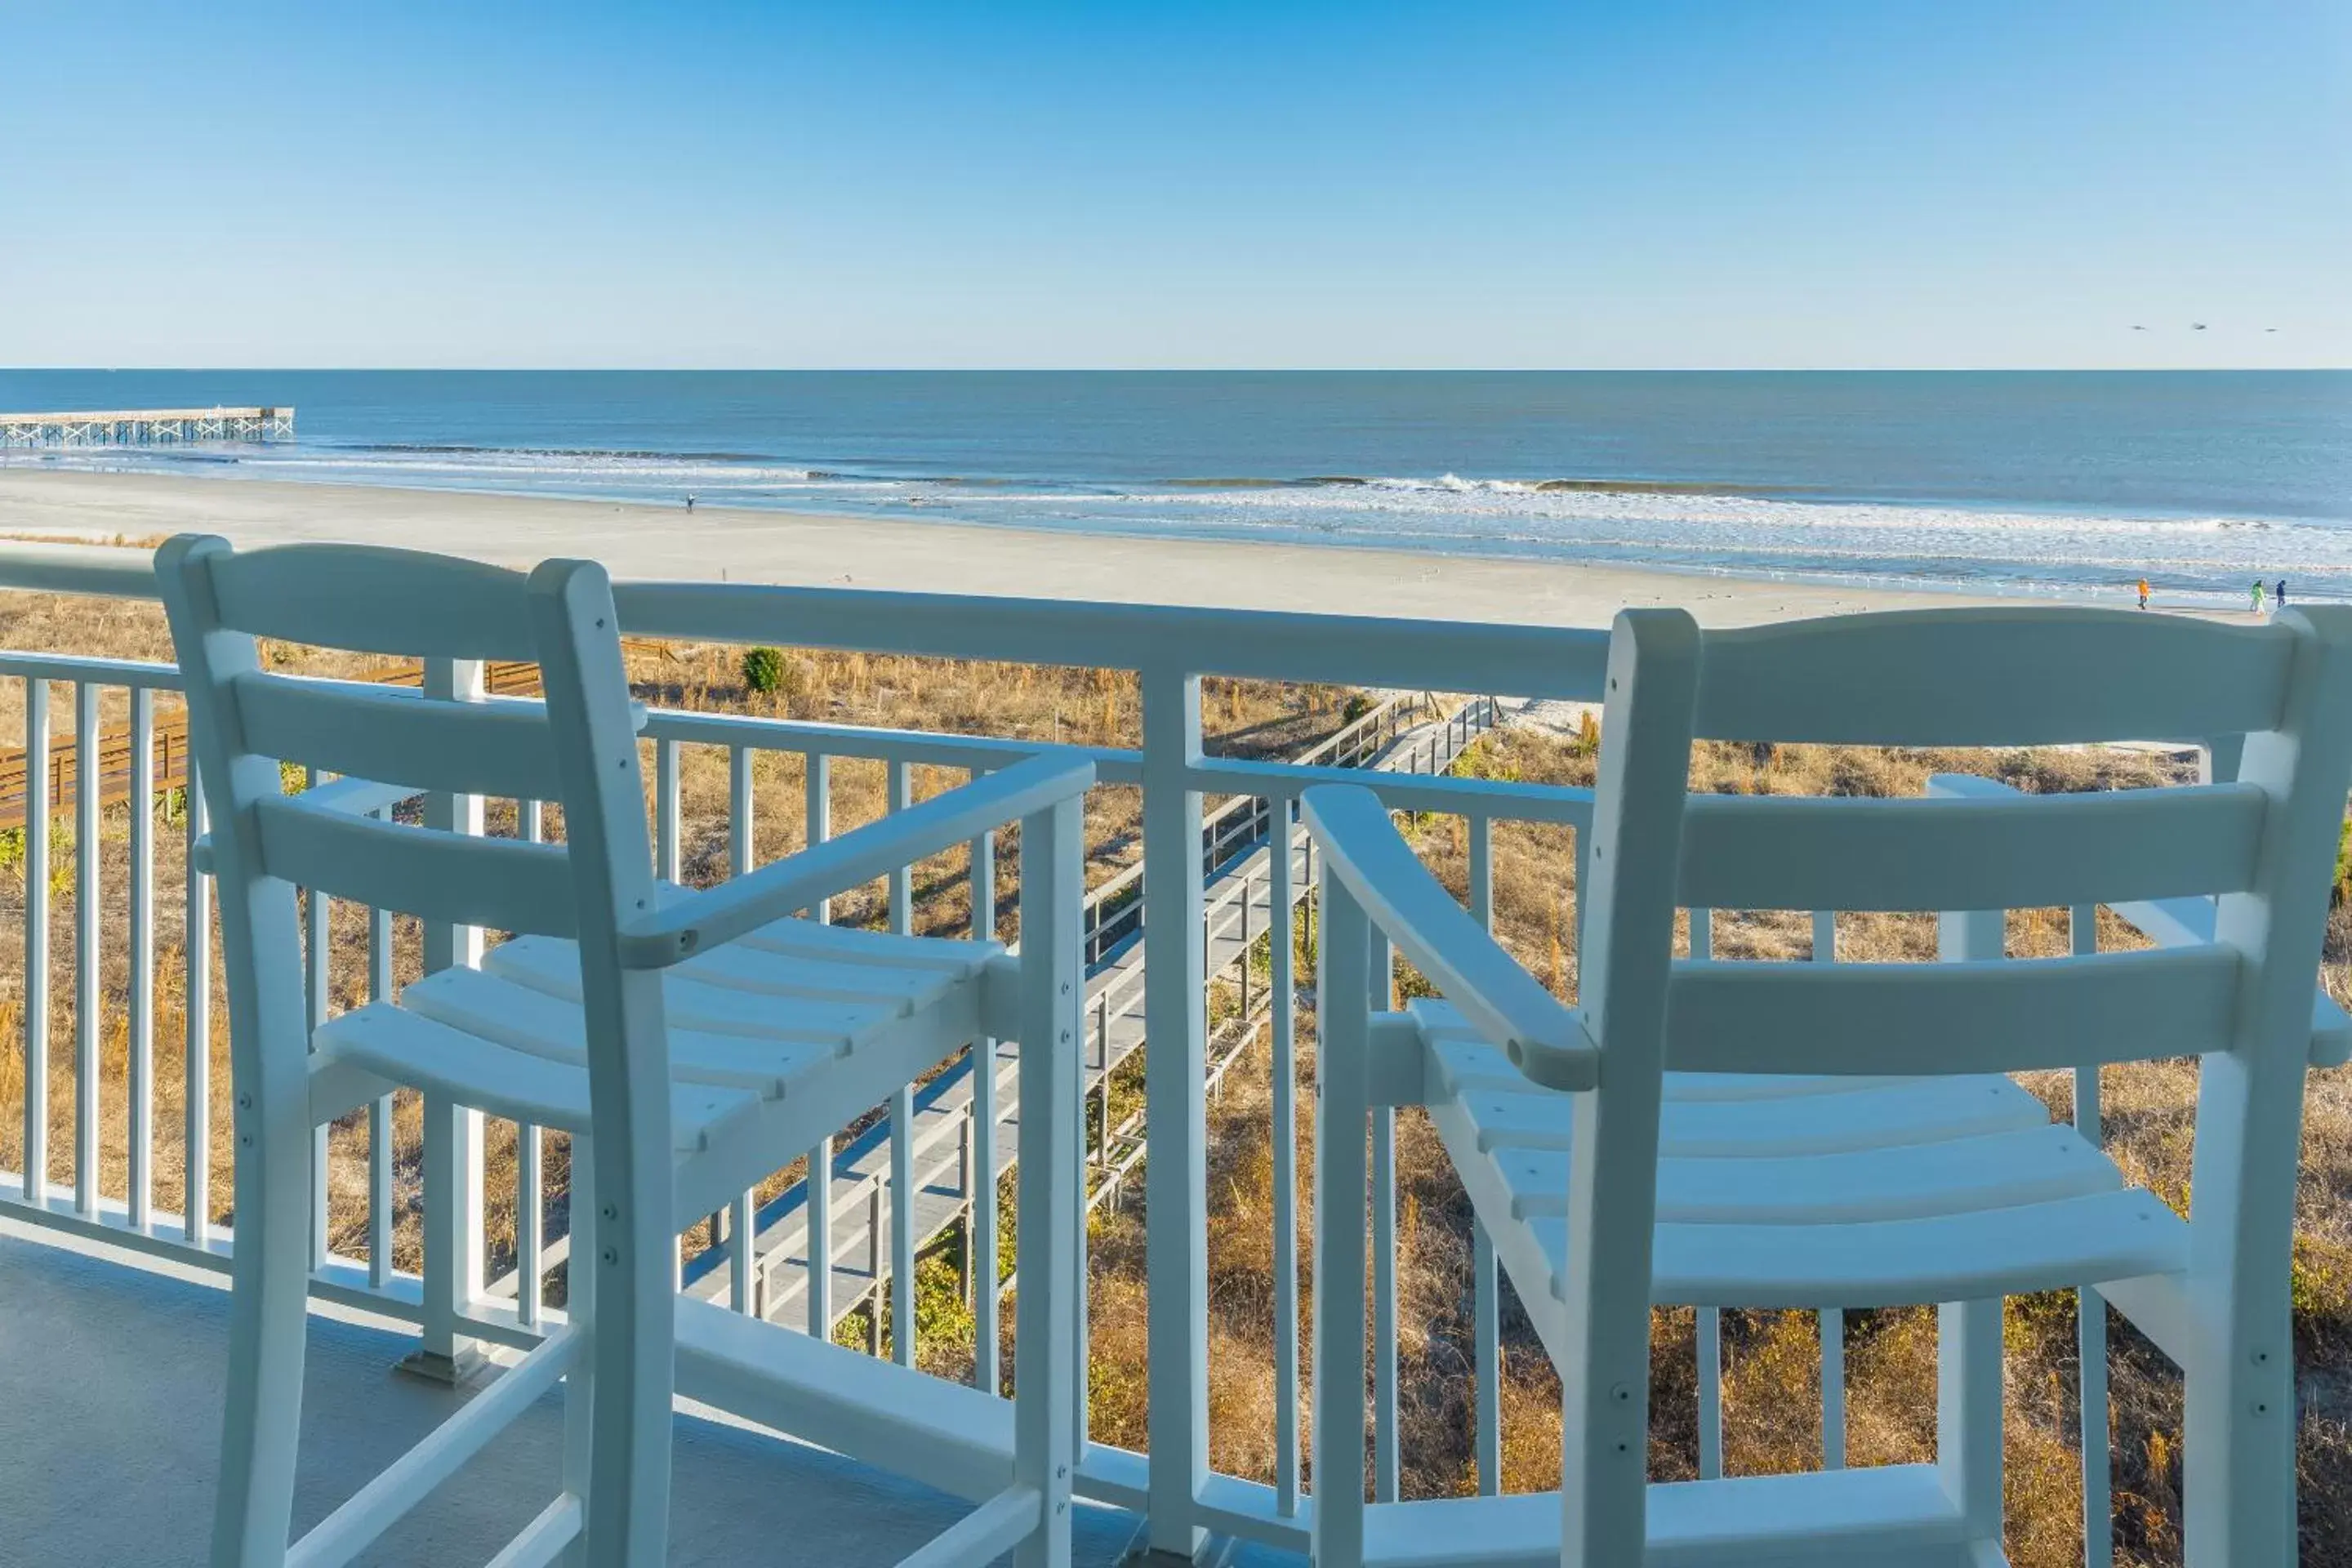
(763, 671)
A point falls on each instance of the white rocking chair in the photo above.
(1612, 1178)
(690, 1043)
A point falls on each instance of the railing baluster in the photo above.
(1584, 852)
(142, 959)
(1969, 1354)
(380, 1125)
(316, 957)
(1710, 1392)
(1281, 899)
(88, 968)
(1249, 891)
(1343, 1002)
(744, 1252)
(1175, 1178)
(739, 809)
(1485, 1279)
(1832, 1319)
(819, 1185)
(2091, 1319)
(980, 1233)
(452, 1134)
(744, 1244)
(531, 1149)
(530, 1154)
(665, 810)
(196, 1028)
(1710, 1319)
(874, 1199)
(819, 787)
(38, 803)
(817, 810)
(900, 784)
(1387, 1468)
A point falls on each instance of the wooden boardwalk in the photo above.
(1237, 901)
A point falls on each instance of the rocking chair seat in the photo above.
(1895, 1191)
(798, 1021)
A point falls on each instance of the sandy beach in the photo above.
(741, 545)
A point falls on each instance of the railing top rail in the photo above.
(942, 748)
(105, 569)
(1271, 645)
(1268, 644)
(96, 667)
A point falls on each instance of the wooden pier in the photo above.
(146, 426)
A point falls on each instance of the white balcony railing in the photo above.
(1247, 850)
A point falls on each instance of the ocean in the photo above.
(2022, 482)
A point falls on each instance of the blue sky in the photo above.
(1751, 182)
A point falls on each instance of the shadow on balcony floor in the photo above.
(110, 1408)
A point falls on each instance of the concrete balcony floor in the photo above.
(111, 1381)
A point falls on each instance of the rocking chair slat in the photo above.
(397, 603)
(2027, 851)
(393, 735)
(1903, 1182)
(1995, 675)
(1971, 1256)
(1988, 1015)
(526, 1020)
(403, 1047)
(500, 883)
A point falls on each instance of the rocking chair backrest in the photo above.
(2264, 845)
(579, 748)
(2015, 677)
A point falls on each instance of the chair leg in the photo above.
(2238, 1496)
(633, 1349)
(1047, 1348)
(1342, 1240)
(262, 1418)
(580, 1312)
(1968, 1413)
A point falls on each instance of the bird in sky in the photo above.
(2196, 326)
(2137, 328)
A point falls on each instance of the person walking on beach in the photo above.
(2143, 592)
(689, 501)
(2278, 597)
(2258, 598)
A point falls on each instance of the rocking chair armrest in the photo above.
(1545, 1039)
(742, 904)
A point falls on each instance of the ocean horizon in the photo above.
(2049, 482)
